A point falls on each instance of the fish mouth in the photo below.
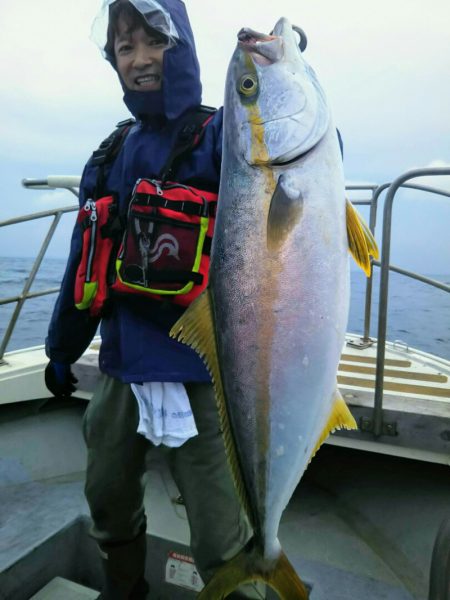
(264, 49)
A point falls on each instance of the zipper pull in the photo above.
(87, 205)
(158, 187)
(138, 181)
(93, 216)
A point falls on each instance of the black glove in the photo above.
(59, 379)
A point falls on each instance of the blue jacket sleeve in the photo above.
(71, 330)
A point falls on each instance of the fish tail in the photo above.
(285, 581)
(248, 567)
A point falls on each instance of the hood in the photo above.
(181, 86)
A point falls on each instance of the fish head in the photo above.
(277, 108)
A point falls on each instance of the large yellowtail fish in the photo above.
(271, 324)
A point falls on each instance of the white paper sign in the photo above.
(181, 570)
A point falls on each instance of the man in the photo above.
(150, 45)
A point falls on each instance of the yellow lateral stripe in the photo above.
(422, 390)
(414, 375)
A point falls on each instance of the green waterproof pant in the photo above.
(115, 477)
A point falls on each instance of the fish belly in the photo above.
(280, 323)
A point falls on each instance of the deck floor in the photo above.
(359, 525)
(414, 381)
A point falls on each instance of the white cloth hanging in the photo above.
(165, 414)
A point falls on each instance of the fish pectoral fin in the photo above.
(284, 213)
(247, 567)
(340, 418)
(361, 242)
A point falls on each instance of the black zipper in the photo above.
(172, 186)
(92, 241)
(167, 220)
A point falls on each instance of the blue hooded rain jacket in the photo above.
(135, 343)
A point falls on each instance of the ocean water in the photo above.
(418, 314)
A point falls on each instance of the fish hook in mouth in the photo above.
(303, 42)
(303, 39)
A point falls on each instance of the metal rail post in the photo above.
(28, 284)
(70, 183)
(369, 282)
(373, 203)
(384, 283)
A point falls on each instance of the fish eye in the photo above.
(248, 85)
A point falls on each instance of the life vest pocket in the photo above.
(91, 288)
(163, 252)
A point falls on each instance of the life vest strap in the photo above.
(185, 206)
(175, 276)
(207, 244)
(188, 138)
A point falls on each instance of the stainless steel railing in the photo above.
(373, 203)
(377, 424)
(385, 266)
(69, 183)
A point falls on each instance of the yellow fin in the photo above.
(286, 582)
(340, 418)
(195, 328)
(361, 242)
(248, 567)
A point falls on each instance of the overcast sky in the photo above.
(385, 68)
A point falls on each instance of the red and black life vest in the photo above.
(161, 250)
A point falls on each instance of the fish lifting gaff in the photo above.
(271, 324)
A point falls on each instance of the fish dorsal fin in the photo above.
(340, 418)
(284, 213)
(195, 328)
(361, 242)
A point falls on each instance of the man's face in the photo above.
(139, 59)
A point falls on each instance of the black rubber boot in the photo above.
(123, 569)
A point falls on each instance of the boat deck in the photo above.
(414, 381)
(416, 399)
(360, 524)
(345, 535)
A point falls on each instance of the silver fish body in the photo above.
(281, 305)
(272, 321)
